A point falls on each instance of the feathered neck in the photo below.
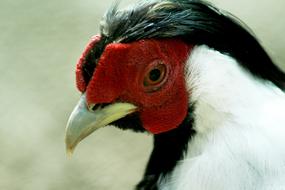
(218, 83)
(239, 125)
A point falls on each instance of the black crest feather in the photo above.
(197, 22)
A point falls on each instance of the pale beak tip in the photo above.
(69, 148)
(69, 151)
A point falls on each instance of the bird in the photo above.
(197, 79)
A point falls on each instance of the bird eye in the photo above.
(155, 76)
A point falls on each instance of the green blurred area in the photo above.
(40, 43)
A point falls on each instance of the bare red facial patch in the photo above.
(80, 82)
(147, 73)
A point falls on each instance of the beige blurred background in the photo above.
(40, 42)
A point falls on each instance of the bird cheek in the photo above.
(165, 117)
(167, 109)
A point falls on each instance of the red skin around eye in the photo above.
(120, 73)
(80, 83)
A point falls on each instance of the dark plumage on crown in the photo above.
(196, 22)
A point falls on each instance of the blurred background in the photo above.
(40, 43)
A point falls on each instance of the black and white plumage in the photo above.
(233, 136)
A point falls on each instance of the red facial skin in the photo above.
(120, 73)
(80, 83)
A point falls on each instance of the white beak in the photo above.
(83, 121)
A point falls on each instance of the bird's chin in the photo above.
(130, 122)
(83, 121)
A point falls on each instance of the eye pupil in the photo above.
(154, 75)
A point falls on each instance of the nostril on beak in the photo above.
(94, 107)
(104, 105)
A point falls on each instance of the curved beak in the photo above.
(83, 121)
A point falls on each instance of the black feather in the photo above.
(132, 122)
(196, 22)
(169, 148)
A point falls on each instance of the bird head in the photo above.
(132, 75)
(145, 78)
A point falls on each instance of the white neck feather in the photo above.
(219, 85)
(240, 125)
